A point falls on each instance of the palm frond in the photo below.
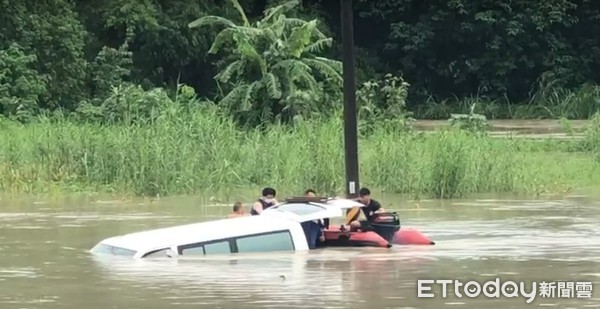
(319, 46)
(278, 26)
(234, 96)
(300, 38)
(273, 86)
(221, 39)
(236, 34)
(275, 30)
(233, 68)
(211, 20)
(247, 50)
(251, 31)
(277, 50)
(305, 77)
(288, 64)
(278, 10)
(246, 100)
(293, 22)
(219, 63)
(318, 33)
(238, 7)
(295, 70)
(288, 84)
(324, 69)
(337, 65)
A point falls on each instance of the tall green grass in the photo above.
(548, 102)
(191, 153)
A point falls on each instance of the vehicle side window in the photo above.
(217, 248)
(101, 248)
(123, 252)
(199, 250)
(106, 249)
(279, 241)
(157, 254)
(210, 248)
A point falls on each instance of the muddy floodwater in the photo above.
(44, 261)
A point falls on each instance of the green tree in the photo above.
(165, 51)
(21, 86)
(495, 48)
(52, 32)
(271, 66)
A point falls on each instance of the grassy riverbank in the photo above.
(205, 151)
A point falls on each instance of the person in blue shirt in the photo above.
(313, 229)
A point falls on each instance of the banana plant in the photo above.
(272, 65)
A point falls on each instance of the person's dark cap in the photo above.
(269, 191)
(310, 191)
(364, 191)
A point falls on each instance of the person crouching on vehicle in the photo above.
(372, 207)
(238, 211)
(265, 201)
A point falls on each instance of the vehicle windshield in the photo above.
(106, 249)
(299, 209)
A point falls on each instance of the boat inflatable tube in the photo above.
(334, 236)
(411, 237)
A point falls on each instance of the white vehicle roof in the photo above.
(198, 232)
(340, 202)
(344, 203)
(301, 212)
(303, 209)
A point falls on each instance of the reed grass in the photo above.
(203, 151)
(548, 102)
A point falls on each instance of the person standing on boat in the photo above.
(372, 207)
(265, 201)
(238, 211)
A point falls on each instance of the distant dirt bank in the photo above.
(546, 128)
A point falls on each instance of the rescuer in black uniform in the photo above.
(265, 201)
(372, 207)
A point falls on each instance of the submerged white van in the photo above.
(276, 229)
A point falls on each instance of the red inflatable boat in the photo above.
(384, 232)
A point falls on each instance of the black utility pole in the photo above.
(350, 121)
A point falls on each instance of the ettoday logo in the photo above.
(508, 289)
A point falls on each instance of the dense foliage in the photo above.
(266, 61)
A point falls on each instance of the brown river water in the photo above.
(44, 261)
